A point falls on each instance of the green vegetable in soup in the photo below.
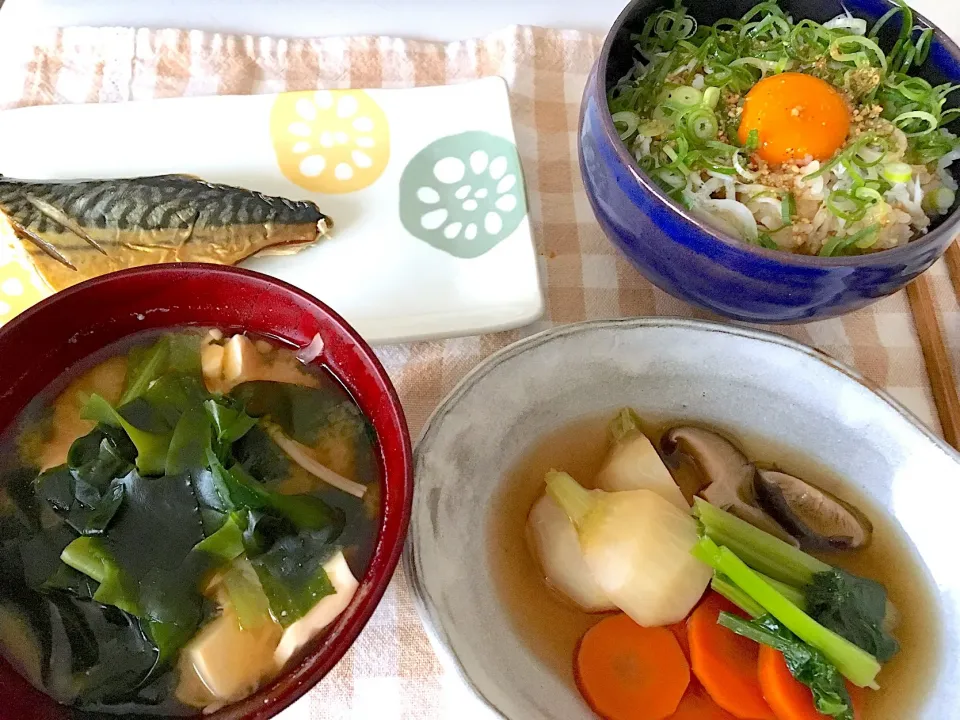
(807, 664)
(293, 577)
(261, 457)
(857, 665)
(151, 446)
(166, 508)
(230, 424)
(81, 504)
(853, 607)
(758, 549)
(178, 353)
(301, 411)
(246, 595)
(115, 587)
(111, 657)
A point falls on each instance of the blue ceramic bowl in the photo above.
(707, 267)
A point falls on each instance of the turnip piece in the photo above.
(637, 546)
(554, 542)
(634, 464)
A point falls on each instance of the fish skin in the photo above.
(117, 224)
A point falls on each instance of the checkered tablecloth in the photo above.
(391, 672)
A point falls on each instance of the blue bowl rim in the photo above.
(902, 253)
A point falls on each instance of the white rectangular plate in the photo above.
(378, 162)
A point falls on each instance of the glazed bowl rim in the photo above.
(598, 93)
(297, 679)
(425, 607)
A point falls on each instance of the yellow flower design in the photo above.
(330, 141)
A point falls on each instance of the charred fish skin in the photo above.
(98, 226)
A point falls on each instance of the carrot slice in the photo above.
(628, 672)
(698, 705)
(679, 631)
(788, 697)
(725, 663)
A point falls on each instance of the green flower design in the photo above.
(463, 194)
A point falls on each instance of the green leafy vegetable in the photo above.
(111, 657)
(81, 504)
(92, 558)
(151, 446)
(261, 457)
(857, 665)
(189, 443)
(761, 551)
(306, 512)
(101, 455)
(301, 411)
(722, 585)
(292, 575)
(39, 557)
(807, 664)
(169, 397)
(246, 595)
(177, 353)
(853, 607)
(230, 424)
(227, 542)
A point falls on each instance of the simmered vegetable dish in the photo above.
(725, 585)
(178, 521)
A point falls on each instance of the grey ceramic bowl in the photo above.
(752, 383)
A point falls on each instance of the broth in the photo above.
(20, 459)
(551, 626)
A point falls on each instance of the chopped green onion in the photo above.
(897, 172)
(767, 242)
(904, 121)
(788, 208)
(683, 97)
(869, 195)
(627, 120)
(702, 123)
(652, 128)
(923, 46)
(711, 96)
(764, 66)
(741, 169)
(939, 200)
(914, 88)
(753, 141)
(846, 206)
(852, 171)
(862, 239)
(859, 57)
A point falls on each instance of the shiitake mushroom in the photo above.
(783, 505)
(817, 518)
(727, 477)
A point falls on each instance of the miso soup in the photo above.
(179, 517)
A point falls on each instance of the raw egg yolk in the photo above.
(795, 116)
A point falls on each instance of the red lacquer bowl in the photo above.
(37, 346)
